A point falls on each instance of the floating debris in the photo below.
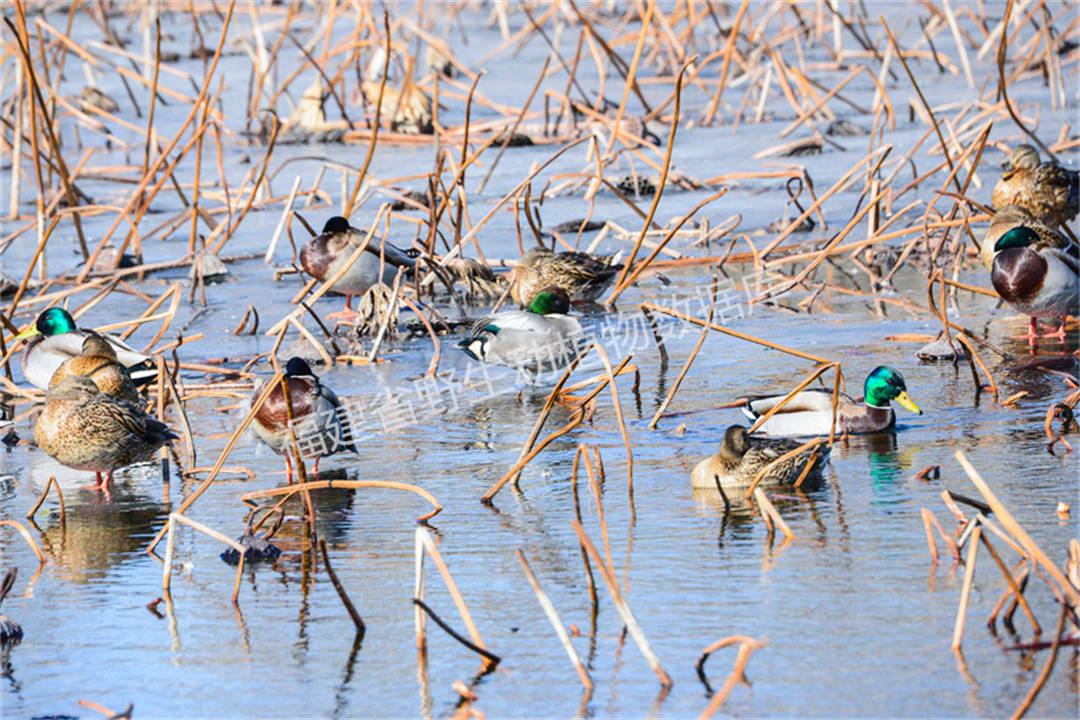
(845, 128)
(576, 226)
(256, 549)
(636, 186)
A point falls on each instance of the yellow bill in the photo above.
(28, 332)
(904, 400)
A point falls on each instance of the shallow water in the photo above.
(857, 620)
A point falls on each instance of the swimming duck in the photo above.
(1036, 278)
(323, 255)
(86, 429)
(741, 457)
(810, 412)
(309, 399)
(58, 339)
(97, 361)
(584, 277)
(542, 337)
(1048, 191)
(10, 631)
(1010, 216)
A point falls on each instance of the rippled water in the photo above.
(857, 620)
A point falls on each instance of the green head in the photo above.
(54, 321)
(549, 301)
(1017, 237)
(885, 384)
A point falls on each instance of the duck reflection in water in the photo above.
(97, 536)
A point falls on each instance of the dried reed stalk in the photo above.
(290, 490)
(424, 540)
(1005, 518)
(1047, 667)
(815, 443)
(576, 419)
(622, 280)
(177, 517)
(55, 485)
(357, 620)
(608, 574)
(767, 508)
(556, 622)
(258, 403)
(1017, 592)
(27, 537)
(738, 675)
(965, 592)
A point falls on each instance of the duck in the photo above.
(543, 337)
(86, 429)
(411, 107)
(742, 456)
(323, 255)
(10, 631)
(1010, 216)
(97, 361)
(810, 412)
(584, 277)
(54, 338)
(1036, 277)
(309, 398)
(1048, 191)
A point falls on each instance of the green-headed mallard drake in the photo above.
(86, 429)
(316, 416)
(10, 631)
(1048, 191)
(584, 277)
(1035, 277)
(741, 457)
(1005, 219)
(323, 255)
(541, 338)
(810, 412)
(97, 361)
(58, 339)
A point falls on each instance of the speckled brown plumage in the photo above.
(412, 110)
(86, 429)
(97, 361)
(583, 276)
(741, 457)
(1048, 191)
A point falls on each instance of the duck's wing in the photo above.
(392, 254)
(808, 413)
(813, 400)
(334, 426)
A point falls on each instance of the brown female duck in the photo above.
(1048, 191)
(741, 457)
(583, 276)
(97, 361)
(86, 429)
